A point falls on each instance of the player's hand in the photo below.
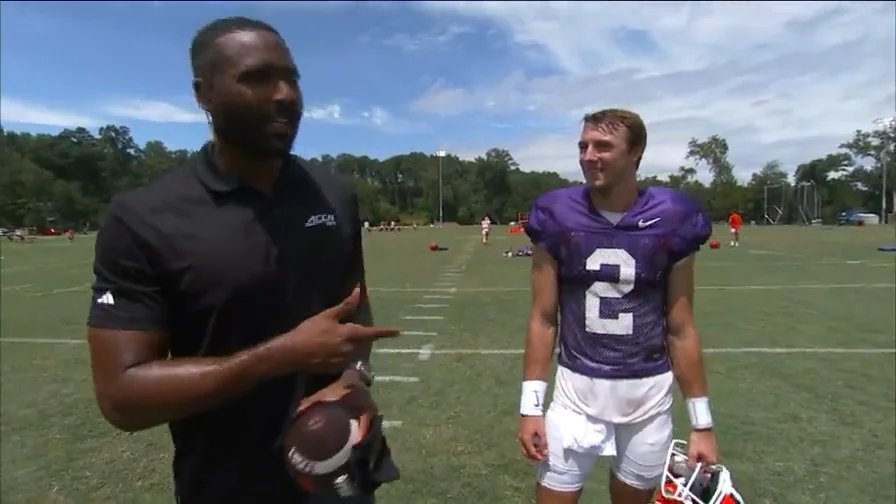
(325, 344)
(702, 448)
(352, 390)
(532, 437)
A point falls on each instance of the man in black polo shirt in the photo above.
(222, 288)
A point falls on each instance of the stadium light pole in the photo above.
(886, 123)
(441, 154)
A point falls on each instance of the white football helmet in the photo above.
(705, 484)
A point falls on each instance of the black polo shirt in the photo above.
(221, 267)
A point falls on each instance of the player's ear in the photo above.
(638, 153)
(201, 92)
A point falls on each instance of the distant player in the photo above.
(486, 228)
(734, 223)
(615, 265)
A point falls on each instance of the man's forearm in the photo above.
(686, 354)
(536, 365)
(539, 351)
(158, 392)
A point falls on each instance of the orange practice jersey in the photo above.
(734, 220)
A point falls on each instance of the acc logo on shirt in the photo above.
(321, 219)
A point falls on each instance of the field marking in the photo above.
(703, 287)
(443, 284)
(454, 290)
(430, 306)
(59, 291)
(419, 333)
(399, 379)
(431, 350)
(423, 317)
(758, 350)
(17, 287)
(835, 262)
(772, 252)
(44, 341)
(425, 352)
(391, 424)
(437, 297)
(449, 274)
(61, 264)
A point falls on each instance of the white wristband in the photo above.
(532, 398)
(698, 413)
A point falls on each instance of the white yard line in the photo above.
(453, 290)
(422, 317)
(704, 287)
(419, 333)
(430, 306)
(400, 379)
(16, 287)
(438, 297)
(59, 291)
(388, 424)
(431, 350)
(425, 352)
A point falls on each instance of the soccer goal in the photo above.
(807, 203)
(774, 199)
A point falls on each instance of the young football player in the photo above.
(613, 275)
(486, 228)
(734, 223)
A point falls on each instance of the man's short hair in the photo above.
(203, 57)
(621, 119)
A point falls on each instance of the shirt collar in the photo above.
(219, 181)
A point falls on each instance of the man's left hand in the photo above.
(356, 395)
(702, 448)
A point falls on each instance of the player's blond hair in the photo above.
(615, 119)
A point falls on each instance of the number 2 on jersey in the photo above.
(623, 323)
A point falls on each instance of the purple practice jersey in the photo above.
(612, 277)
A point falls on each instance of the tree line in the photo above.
(67, 179)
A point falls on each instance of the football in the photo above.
(318, 445)
(714, 244)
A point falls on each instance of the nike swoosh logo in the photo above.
(643, 223)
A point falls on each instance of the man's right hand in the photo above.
(325, 344)
(532, 437)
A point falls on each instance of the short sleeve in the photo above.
(692, 232)
(356, 261)
(127, 289)
(538, 227)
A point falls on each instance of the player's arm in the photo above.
(685, 349)
(136, 385)
(542, 334)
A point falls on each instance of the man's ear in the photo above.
(200, 91)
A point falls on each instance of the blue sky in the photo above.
(780, 80)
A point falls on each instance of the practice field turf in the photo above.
(798, 325)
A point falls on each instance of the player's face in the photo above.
(254, 97)
(604, 155)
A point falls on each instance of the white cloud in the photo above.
(386, 122)
(780, 80)
(434, 38)
(332, 112)
(153, 111)
(377, 115)
(23, 112)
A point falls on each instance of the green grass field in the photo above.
(798, 325)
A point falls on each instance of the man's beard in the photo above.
(247, 131)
